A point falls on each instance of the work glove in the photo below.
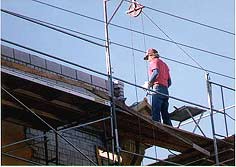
(146, 85)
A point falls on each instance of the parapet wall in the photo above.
(45, 65)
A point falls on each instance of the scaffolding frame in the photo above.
(154, 92)
(171, 97)
(114, 130)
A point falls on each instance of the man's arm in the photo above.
(155, 73)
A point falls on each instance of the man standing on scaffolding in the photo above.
(160, 81)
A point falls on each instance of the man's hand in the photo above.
(150, 84)
(146, 85)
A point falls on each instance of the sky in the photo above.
(187, 83)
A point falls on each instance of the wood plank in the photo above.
(225, 150)
(171, 130)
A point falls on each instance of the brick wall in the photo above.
(85, 141)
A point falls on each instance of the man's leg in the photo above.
(164, 112)
(156, 108)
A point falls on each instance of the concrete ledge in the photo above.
(6, 51)
(52, 66)
(37, 61)
(99, 82)
(67, 71)
(22, 56)
(82, 76)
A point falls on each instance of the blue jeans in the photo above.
(160, 105)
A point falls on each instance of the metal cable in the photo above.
(69, 11)
(138, 32)
(119, 5)
(53, 28)
(174, 42)
(54, 57)
(145, 45)
(189, 20)
(181, 44)
(145, 48)
(36, 22)
(134, 67)
(210, 71)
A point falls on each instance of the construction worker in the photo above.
(159, 80)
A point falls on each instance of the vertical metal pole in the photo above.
(108, 64)
(209, 94)
(106, 140)
(45, 147)
(223, 103)
(56, 140)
